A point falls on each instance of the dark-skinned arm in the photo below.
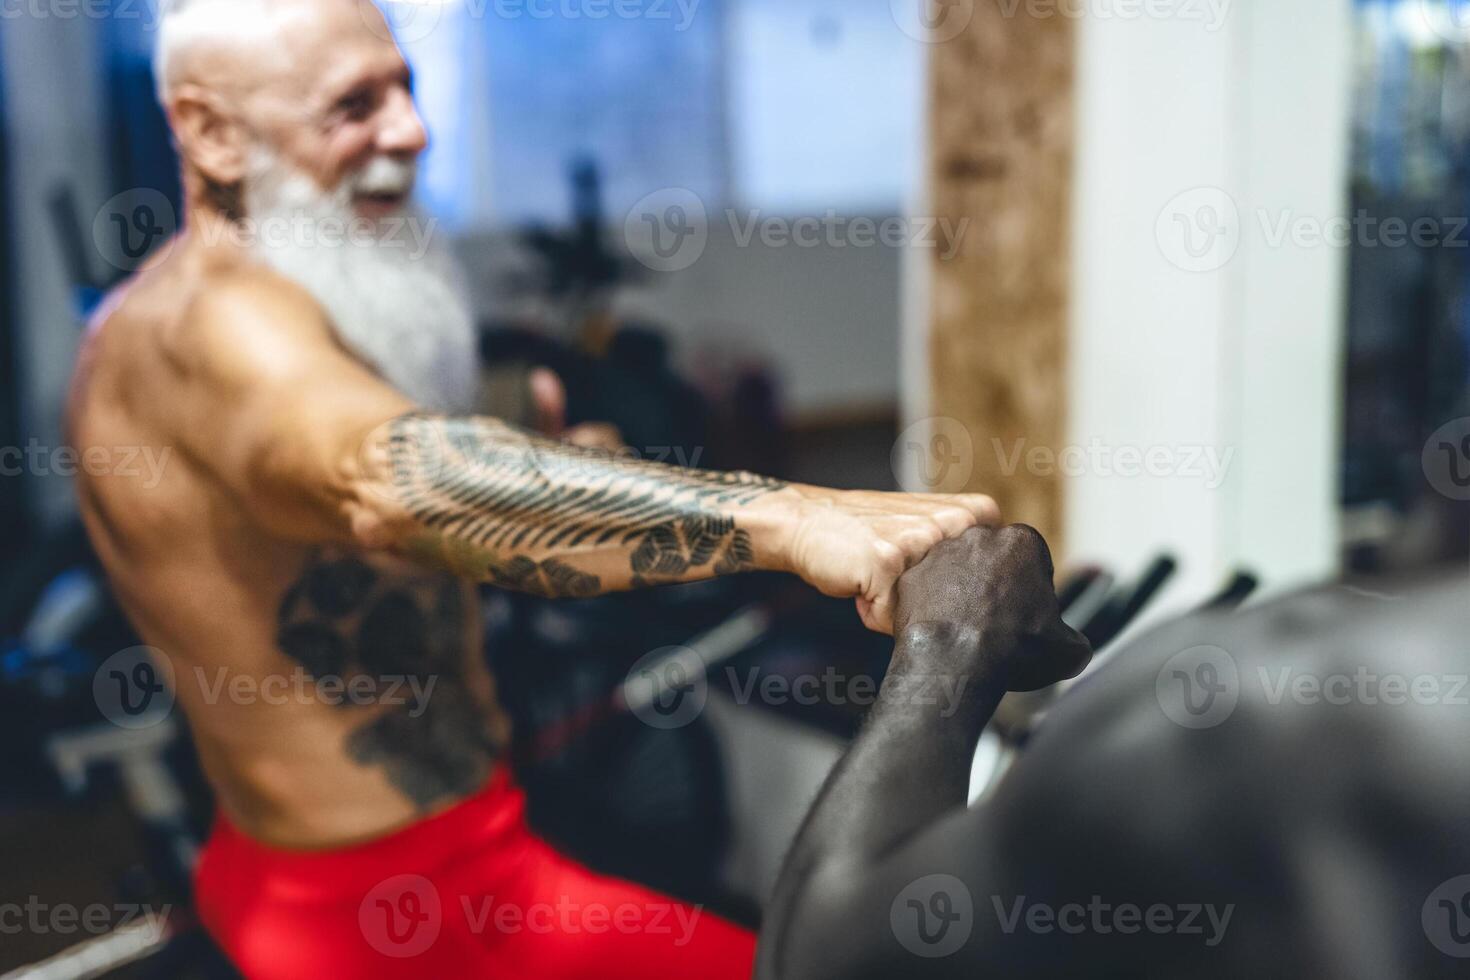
(977, 617)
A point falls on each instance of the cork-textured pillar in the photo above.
(1000, 154)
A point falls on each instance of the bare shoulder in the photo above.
(190, 333)
(246, 324)
(189, 318)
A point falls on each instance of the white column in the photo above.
(1195, 333)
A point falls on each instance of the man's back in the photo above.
(322, 684)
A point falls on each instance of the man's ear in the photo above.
(209, 137)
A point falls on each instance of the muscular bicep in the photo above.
(317, 448)
(1025, 885)
(1099, 821)
(278, 412)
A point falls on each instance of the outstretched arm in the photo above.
(495, 503)
(318, 448)
(976, 618)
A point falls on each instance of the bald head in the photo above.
(196, 38)
(316, 85)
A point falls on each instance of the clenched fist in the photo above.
(993, 585)
(850, 543)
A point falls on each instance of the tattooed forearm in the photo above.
(552, 519)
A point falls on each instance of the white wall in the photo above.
(1238, 354)
(827, 317)
(825, 105)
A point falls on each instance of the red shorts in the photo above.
(469, 892)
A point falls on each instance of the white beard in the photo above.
(397, 310)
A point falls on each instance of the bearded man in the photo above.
(331, 503)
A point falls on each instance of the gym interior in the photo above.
(1184, 285)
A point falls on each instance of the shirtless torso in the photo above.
(267, 636)
(336, 689)
(305, 561)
